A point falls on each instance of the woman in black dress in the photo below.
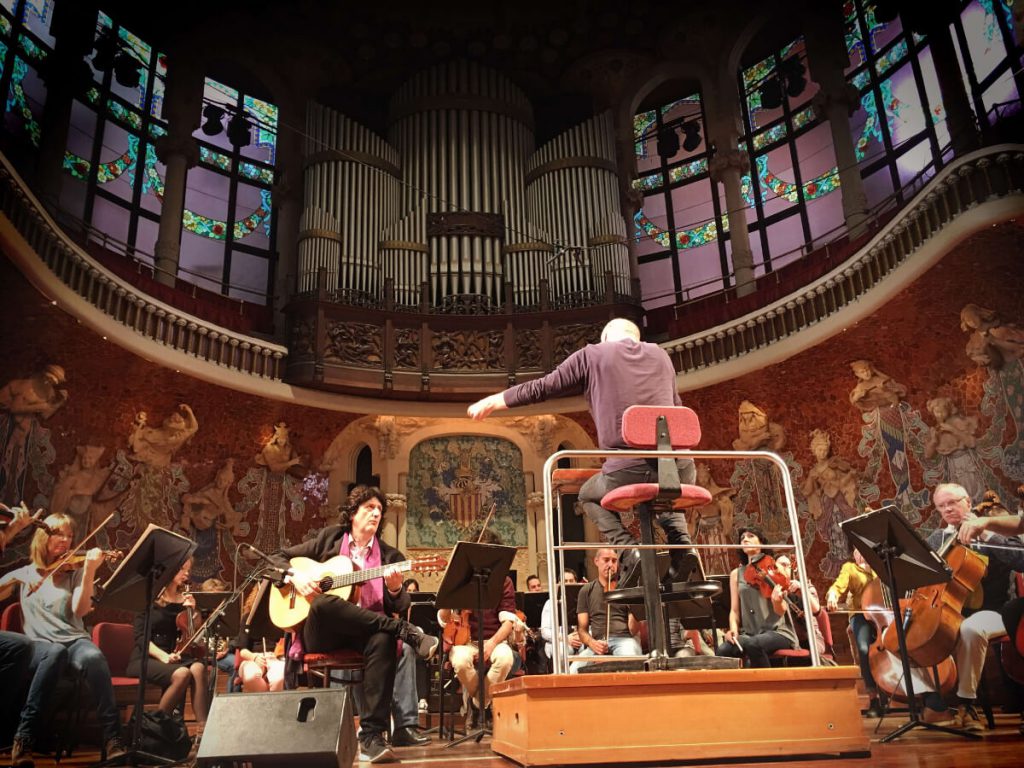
(175, 672)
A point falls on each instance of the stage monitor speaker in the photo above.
(308, 728)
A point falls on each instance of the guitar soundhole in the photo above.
(307, 709)
(325, 585)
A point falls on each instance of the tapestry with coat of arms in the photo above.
(453, 483)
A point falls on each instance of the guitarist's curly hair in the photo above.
(358, 496)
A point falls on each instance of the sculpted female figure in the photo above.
(874, 389)
(831, 491)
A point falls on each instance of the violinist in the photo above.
(533, 583)
(853, 577)
(53, 603)
(1005, 555)
(794, 589)
(547, 623)
(499, 658)
(759, 618)
(176, 670)
(605, 628)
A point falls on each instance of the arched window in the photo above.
(25, 43)
(228, 228)
(678, 229)
(113, 181)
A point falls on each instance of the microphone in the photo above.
(272, 566)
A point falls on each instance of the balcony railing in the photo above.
(118, 299)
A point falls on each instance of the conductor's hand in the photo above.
(304, 583)
(481, 409)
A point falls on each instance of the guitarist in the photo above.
(369, 627)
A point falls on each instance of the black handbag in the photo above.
(163, 735)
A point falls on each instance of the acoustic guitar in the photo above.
(338, 576)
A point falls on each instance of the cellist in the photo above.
(982, 624)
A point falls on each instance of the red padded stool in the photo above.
(663, 428)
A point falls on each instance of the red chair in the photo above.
(116, 641)
(664, 428)
(801, 656)
(11, 620)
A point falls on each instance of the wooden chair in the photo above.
(664, 428)
(319, 666)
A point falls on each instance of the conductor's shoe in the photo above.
(409, 736)
(424, 645)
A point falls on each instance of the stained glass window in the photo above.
(228, 221)
(25, 44)
(113, 180)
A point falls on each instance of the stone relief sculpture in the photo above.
(77, 485)
(999, 347)
(156, 446)
(24, 443)
(874, 389)
(952, 443)
(992, 342)
(891, 430)
(756, 432)
(274, 488)
(713, 523)
(831, 491)
(757, 478)
(212, 502)
(277, 453)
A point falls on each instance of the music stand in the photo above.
(533, 607)
(147, 568)
(475, 578)
(905, 561)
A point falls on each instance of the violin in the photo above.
(765, 576)
(76, 561)
(187, 622)
(457, 631)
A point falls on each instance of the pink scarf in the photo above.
(371, 596)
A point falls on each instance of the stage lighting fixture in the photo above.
(691, 132)
(668, 142)
(214, 115)
(239, 130)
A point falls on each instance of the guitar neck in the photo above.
(358, 577)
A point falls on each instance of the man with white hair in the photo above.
(619, 372)
(983, 623)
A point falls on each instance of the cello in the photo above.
(886, 666)
(932, 615)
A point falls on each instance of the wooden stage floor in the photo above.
(1003, 746)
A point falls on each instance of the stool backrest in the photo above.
(639, 426)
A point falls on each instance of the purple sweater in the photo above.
(612, 376)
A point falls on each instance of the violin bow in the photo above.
(68, 555)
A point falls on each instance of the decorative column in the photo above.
(538, 551)
(836, 101)
(287, 199)
(393, 525)
(178, 151)
(727, 166)
(66, 75)
(932, 20)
